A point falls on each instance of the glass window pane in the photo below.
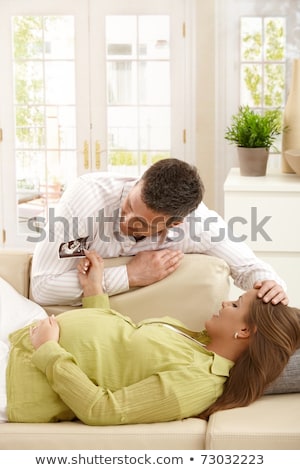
(67, 168)
(60, 171)
(30, 128)
(30, 137)
(124, 161)
(59, 37)
(29, 166)
(263, 68)
(266, 77)
(155, 128)
(274, 79)
(251, 39)
(61, 127)
(138, 74)
(29, 83)
(154, 37)
(154, 82)
(119, 116)
(122, 137)
(121, 37)
(148, 158)
(274, 39)
(44, 110)
(251, 85)
(59, 82)
(28, 37)
(121, 82)
(122, 127)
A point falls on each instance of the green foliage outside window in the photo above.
(263, 55)
(130, 158)
(28, 44)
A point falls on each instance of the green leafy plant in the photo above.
(250, 129)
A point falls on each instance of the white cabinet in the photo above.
(265, 213)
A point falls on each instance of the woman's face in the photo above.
(231, 318)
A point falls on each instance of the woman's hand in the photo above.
(45, 330)
(90, 273)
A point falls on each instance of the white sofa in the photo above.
(192, 294)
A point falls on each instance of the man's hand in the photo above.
(45, 330)
(270, 291)
(90, 273)
(148, 267)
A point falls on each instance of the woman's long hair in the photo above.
(275, 335)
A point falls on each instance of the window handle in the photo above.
(86, 155)
(98, 155)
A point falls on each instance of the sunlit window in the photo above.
(263, 62)
(44, 108)
(138, 91)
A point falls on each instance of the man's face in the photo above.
(137, 219)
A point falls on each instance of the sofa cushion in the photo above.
(272, 422)
(187, 434)
(289, 380)
(16, 310)
(192, 293)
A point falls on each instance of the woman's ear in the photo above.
(244, 333)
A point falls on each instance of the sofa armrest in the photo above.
(15, 268)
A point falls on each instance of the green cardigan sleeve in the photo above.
(166, 396)
(96, 301)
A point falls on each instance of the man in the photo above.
(157, 218)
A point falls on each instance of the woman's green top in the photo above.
(106, 370)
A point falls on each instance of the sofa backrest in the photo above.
(192, 293)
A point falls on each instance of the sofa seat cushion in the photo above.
(272, 422)
(188, 434)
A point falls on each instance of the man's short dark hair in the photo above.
(172, 187)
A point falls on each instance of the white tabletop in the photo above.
(274, 180)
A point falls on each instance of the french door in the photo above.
(87, 85)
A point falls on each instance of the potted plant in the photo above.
(254, 134)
